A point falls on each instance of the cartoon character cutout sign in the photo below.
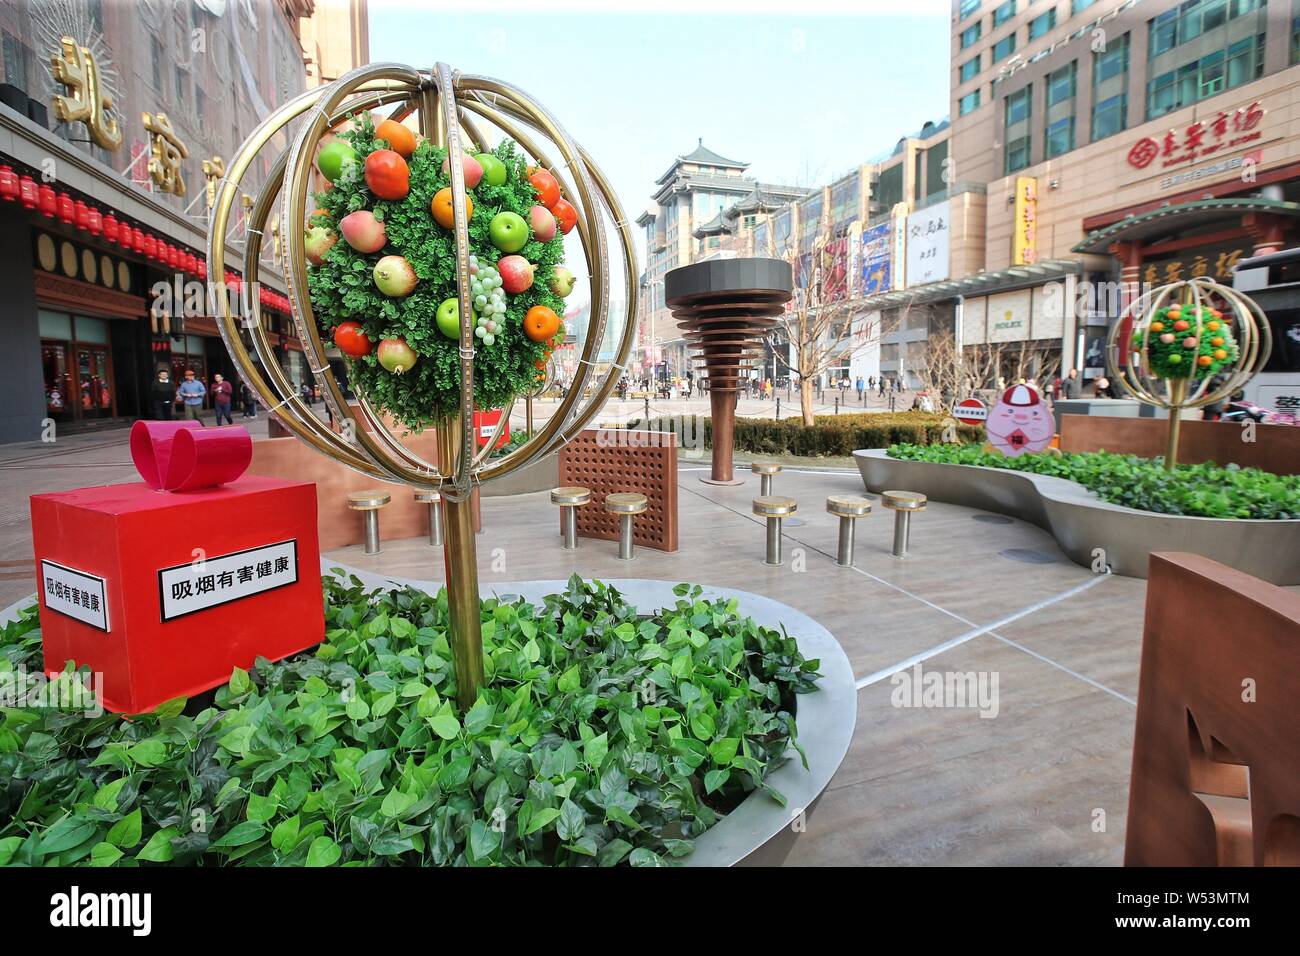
(1020, 422)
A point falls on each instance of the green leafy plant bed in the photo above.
(831, 435)
(602, 737)
(1203, 490)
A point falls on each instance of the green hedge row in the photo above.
(832, 435)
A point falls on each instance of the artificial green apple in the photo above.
(494, 171)
(394, 276)
(562, 281)
(395, 355)
(447, 318)
(334, 158)
(508, 231)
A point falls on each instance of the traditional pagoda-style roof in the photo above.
(700, 156)
(719, 225)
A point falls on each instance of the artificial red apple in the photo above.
(318, 242)
(394, 276)
(562, 281)
(508, 231)
(473, 170)
(543, 222)
(565, 214)
(362, 231)
(516, 274)
(352, 340)
(395, 355)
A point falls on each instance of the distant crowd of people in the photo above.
(185, 399)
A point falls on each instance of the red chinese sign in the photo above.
(1228, 130)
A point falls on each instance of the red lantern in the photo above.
(150, 247)
(67, 211)
(203, 268)
(82, 213)
(28, 194)
(49, 202)
(176, 257)
(137, 239)
(95, 221)
(110, 228)
(8, 184)
(192, 264)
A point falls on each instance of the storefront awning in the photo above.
(981, 283)
(1201, 215)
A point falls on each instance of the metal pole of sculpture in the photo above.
(726, 308)
(448, 104)
(1174, 348)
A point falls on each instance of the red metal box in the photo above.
(163, 593)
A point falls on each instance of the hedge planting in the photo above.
(831, 435)
(1204, 490)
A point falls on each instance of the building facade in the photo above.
(1122, 142)
(116, 121)
(694, 192)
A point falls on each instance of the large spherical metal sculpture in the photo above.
(1186, 345)
(449, 106)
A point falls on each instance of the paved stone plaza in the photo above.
(1043, 779)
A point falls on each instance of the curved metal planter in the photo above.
(759, 831)
(1081, 522)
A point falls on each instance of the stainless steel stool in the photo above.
(570, 499)
(627, 505)
(765, 470)
(848, 508)
(369, 503)
(434, 501)
(903, 504)
(774, 508)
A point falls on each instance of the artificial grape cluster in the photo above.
(489, 300)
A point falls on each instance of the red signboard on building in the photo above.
(1228, 130)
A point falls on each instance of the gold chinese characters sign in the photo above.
(84, 100)
(1026, 224)
(1210, 263)
(168, 151)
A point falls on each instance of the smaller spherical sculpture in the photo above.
(433, 263)
(1187, 345)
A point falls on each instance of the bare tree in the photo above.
(818, 324)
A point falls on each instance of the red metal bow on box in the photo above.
(182, 456)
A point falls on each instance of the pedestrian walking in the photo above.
(223, 395)
(191, 394)
(163, 395)
(1073, 384)
(861, 387)
(249, 399)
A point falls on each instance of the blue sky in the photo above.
(802, 98)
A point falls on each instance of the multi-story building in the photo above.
(1121, 141)
(114, 120)
(854, 229)
(693, 192)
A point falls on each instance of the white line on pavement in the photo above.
(976, 632)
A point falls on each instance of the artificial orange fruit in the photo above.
(541, 323)
(442, 211)
(400, 139)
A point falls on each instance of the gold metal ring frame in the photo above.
(1133, 371)
(447, 104)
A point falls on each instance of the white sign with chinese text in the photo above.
(75, 593)
(197, 586)
(927, 245)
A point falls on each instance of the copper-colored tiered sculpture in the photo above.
(726, 308)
